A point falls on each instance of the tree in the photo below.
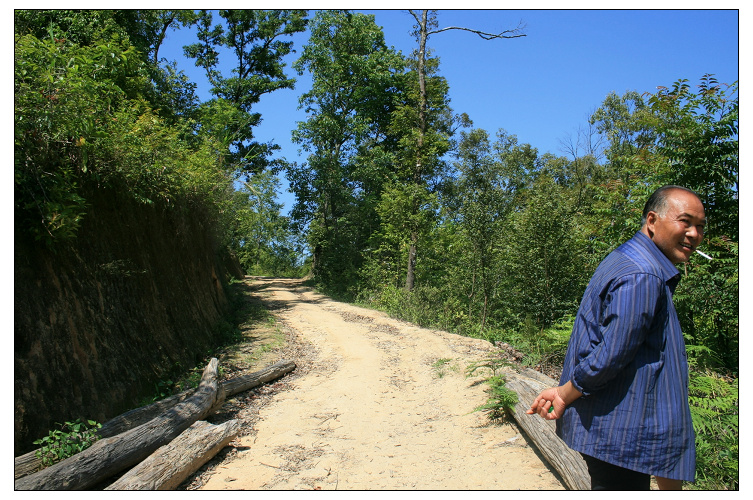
(426, 153)
(633, 169)
(263, 241)
(253, 37)
(699, 138)
(483, 202)
(355, 80)
(542, 257)
(170, 91)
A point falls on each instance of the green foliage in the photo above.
(426, 306)
(501, 400)
(71, 438)
(699, 138)
(544, 348)
(542, 257)
(354, 80)
(255, 40)
(76, 130)
(263, 239)
(482, 203)
(707, 301)
(714, 406)
(62, 101)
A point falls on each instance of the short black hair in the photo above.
(657, 202)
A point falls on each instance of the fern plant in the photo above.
(501, 399)
(715, 412)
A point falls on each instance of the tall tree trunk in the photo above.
(410, 278)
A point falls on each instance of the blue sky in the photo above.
(541, 87)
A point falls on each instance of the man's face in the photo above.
(678, 231)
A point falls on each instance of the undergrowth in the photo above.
(69, 439)
(501, 400)
(714, 407)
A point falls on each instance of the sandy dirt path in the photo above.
(375, 411)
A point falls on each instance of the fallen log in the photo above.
(547, 381)
(568, 463)
(112, 455)
(29, 463)
(26, 464)
(133, 418)
(236, 385)
(171, 464)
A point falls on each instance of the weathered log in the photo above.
(26, 464)
(112, 455)
(133, 418)
(236, 385)
(547, 381)
(568, 463)
(29, 463)
(170, 465)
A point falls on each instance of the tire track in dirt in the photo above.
(373, 413)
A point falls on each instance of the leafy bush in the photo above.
(71, 438)
(707, 302)
(81, 125)
(63, 97)
(544, 348)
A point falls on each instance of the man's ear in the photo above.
(651, 223)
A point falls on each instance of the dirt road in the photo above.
(383, 405)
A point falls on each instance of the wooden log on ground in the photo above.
(547, 381)
(26, 464)
(112, 455)
(236, 385)
(170, 465)
(133, 418)
(29, 463)
(255, 379)
(568, 463)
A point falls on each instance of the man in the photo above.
(622, 401)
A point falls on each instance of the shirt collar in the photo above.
(670, 272)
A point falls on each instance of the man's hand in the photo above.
(551, 403)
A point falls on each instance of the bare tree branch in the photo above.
(513, 33)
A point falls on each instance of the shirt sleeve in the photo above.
(628, 309)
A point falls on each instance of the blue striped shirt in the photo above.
(627, 356)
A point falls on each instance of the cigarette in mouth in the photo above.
(704, 255)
